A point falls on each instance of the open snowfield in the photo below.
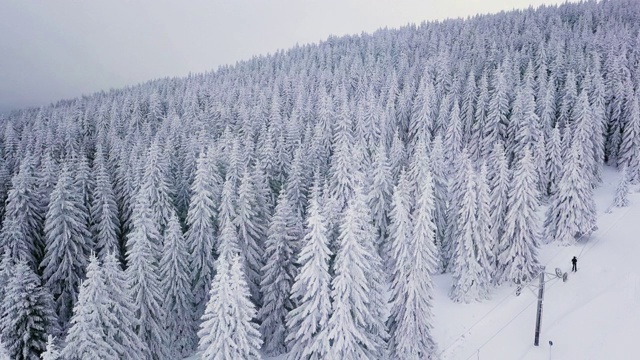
(594, 315)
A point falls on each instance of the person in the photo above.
(574, 261)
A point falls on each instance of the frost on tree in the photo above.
(201, 233)
(23, 218)
(278, 275)
(87, 338)
(518, 262)
(350, 328)
(227, 331)
(105, 224)
(411, 316)
(571, 214)
(307, 322)
(143, 278)
(470, 278)
(52, 352)
(176, 291)
(27, 315)
(68, 245)
(121, 331)
(622, 191)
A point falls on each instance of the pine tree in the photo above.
(629, 153)
(177, 293)
(228, 244)
(202, 230)
(497, 117)
(307, 323)
(518, 262)
(68, 245)
(6, 266)
(486, 241)
(87, 338)
(400, 247)
(143, 278)
(379, 196)
(499, 180)
(105, 224)
(27, 315)
(23, 218)
(155, 182)
(278, 275)
(469, 282)
(52, 352)
(571, 214)
(227, 330)
(121, 331)
(554, 160)
(439, 170)
(251, 233)
(622, 191)
(349, 328)
(412, 337)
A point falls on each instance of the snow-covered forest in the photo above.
(298, 204)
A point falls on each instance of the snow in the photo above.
(594, 315)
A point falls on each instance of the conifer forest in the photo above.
(298, 205)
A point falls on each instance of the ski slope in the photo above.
(594, 315)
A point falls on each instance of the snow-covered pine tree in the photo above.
(479, 117)
(155, 182)
(177, 294)
(228, 237)
(23, 218)
(307, 322)
(554, 160)
(629, 152)
(278, 275)
(622, 191)
(6, 268)
(571, 213)
(27, 314)
(143, 278)
(52, 352)
(499, 180)
(518, 262)
(497, 116)
(105, 224)
(121, 332)
(350, 325)
(412, 337)
(456, 185)
(251, 233)
(486, 242)
(470, 280)
(68, 245)
(399, 256)
(379, 196)
(202, 230)
(87, 338)
(227, 331)
(439, 171)
(83, 183)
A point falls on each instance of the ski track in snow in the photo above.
(594, 315)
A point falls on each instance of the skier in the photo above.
(574, 261)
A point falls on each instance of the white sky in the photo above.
(55, 49)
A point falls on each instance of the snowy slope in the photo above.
(594, 315)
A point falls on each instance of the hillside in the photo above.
(370, 196)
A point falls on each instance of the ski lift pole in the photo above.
(536, 341)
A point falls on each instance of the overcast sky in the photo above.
(51, 50)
